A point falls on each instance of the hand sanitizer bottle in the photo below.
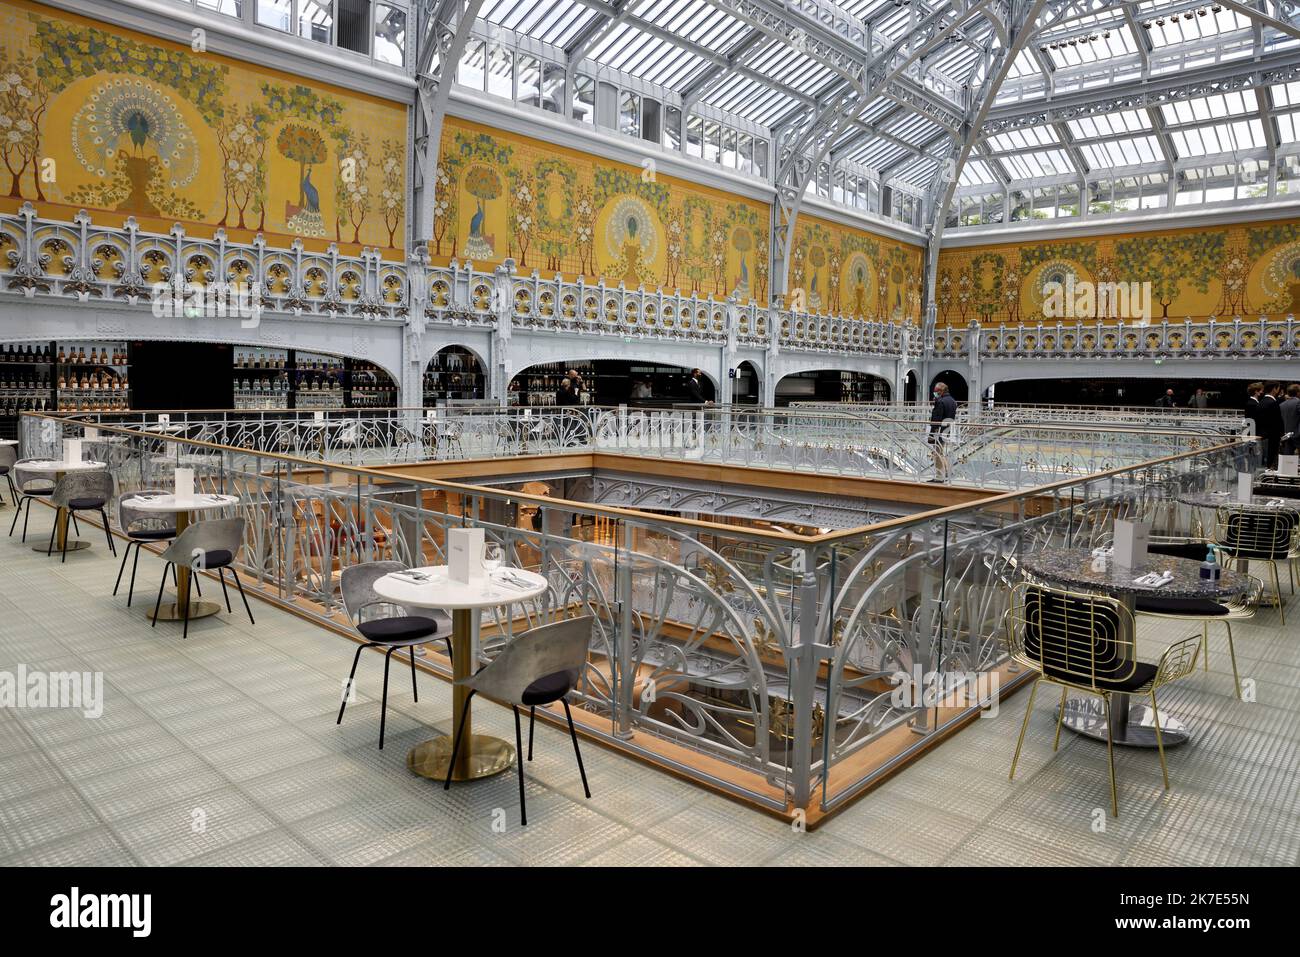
(1210, 570)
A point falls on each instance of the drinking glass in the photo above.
(493, 556)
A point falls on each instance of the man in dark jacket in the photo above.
(942, 415)
(1290, 409)
(1166, 401)
(695, 388)
(566, 394)
(1269, 424)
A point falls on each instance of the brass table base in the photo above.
(487, 756)
(171, 610)
(57, 550)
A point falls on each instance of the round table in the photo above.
(8, 441)
(1132, 723)
(58, 469)
(1217, 499)
(169, 504)
(480, 755)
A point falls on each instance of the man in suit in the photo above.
(1199, 401)
(695, 388)
(1166, 401)
(1269, 424)
(1290, 409)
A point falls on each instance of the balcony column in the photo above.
(503, 308)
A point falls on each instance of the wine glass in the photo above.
(493, 556)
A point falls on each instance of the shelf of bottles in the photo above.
(92, 377)
(26, 382)
(261, 378)
(319, 381)
(453, 373)
(537, 385)
(862, 387)
(369, 387)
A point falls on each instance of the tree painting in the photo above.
(1169, 261)
(484, 185)
(304, 146)
(23, 99)
(352, 187)
(392, 193)
(241, 137)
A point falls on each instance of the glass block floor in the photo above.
(222, 750)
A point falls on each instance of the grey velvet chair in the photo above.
(8, 457)
(140, 526)
(87, 491)
(30, 485)
(539, 667)
(404, 630)
(206, 545)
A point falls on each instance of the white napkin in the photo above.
(1103, 552)
(1152, 580)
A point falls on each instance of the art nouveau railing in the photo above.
(977, 454)
(801, 663)
(100, 263)
(1261, 337)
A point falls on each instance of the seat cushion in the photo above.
(1142, 673)
(1193, 607)
(549, 688)
(217, 558)
(403, 630)
(1193, 550)
(85, 503)
(152, 534)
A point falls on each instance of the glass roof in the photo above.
(781, 64)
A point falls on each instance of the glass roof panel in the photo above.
(1133, 151)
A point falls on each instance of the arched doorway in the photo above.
(747, 387)
(454, 373)
(609, 382)
(909, 386)
(958, 388)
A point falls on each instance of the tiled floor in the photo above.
(223, 750)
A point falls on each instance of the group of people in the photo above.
(1276, 414)
(571, 386)
(1198, 400)
(570, 390)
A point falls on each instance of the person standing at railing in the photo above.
(942, 415)
(1269, 425)
(1166, 401)
(567, 394)
(1199, 400)
(1290, 409)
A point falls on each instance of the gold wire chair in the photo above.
(1237, 608)
(1251, 533)
(1085, 643)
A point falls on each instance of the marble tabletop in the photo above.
(1079, 568)
(159, 502)
(438, 591)
(1217, 499)
(57, 465)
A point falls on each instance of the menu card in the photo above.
(1131, 540)
(1245, 486)
(1288, 464)
(164, 418)
(318, 416)
(184, 485)
(465, 554)
(71, 451)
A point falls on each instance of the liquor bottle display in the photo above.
(453, 373)
(92, 377)
(26, 383)
(261, 378)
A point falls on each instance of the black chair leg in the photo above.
(18, 511)
(13, 490)
(383, 709)
(26, 516)
(415, 692)
(519, 756)
(121, 568)
(347, 689)
(185, 612)
(107, 534)
(130, 592)
(578, 754)
(221, 573)
(532, 717)
(73, 517)
(75, 527)
(157, 606)
(455, 742)
(238, 584)
(49, 549)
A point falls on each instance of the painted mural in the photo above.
(1247, 271)
(560, 211)
(840, 271)
(117, 123)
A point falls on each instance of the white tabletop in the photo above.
(8, 441)
(164, 427)
(169, 503)
(54, 465)
(441, 592)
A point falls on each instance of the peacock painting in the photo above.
(305, 146)
(484, 185)
(131, 129)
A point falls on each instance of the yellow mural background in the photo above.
(500, 195)
(1236, 271)
(105, 119)
(842, 271)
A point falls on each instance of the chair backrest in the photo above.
(204, 538)
(8, 456)
(24, 477)
(538, 652)
(1255, 531)
(1072, 636)
(357, 583)
(128, 518)
(88, 484)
